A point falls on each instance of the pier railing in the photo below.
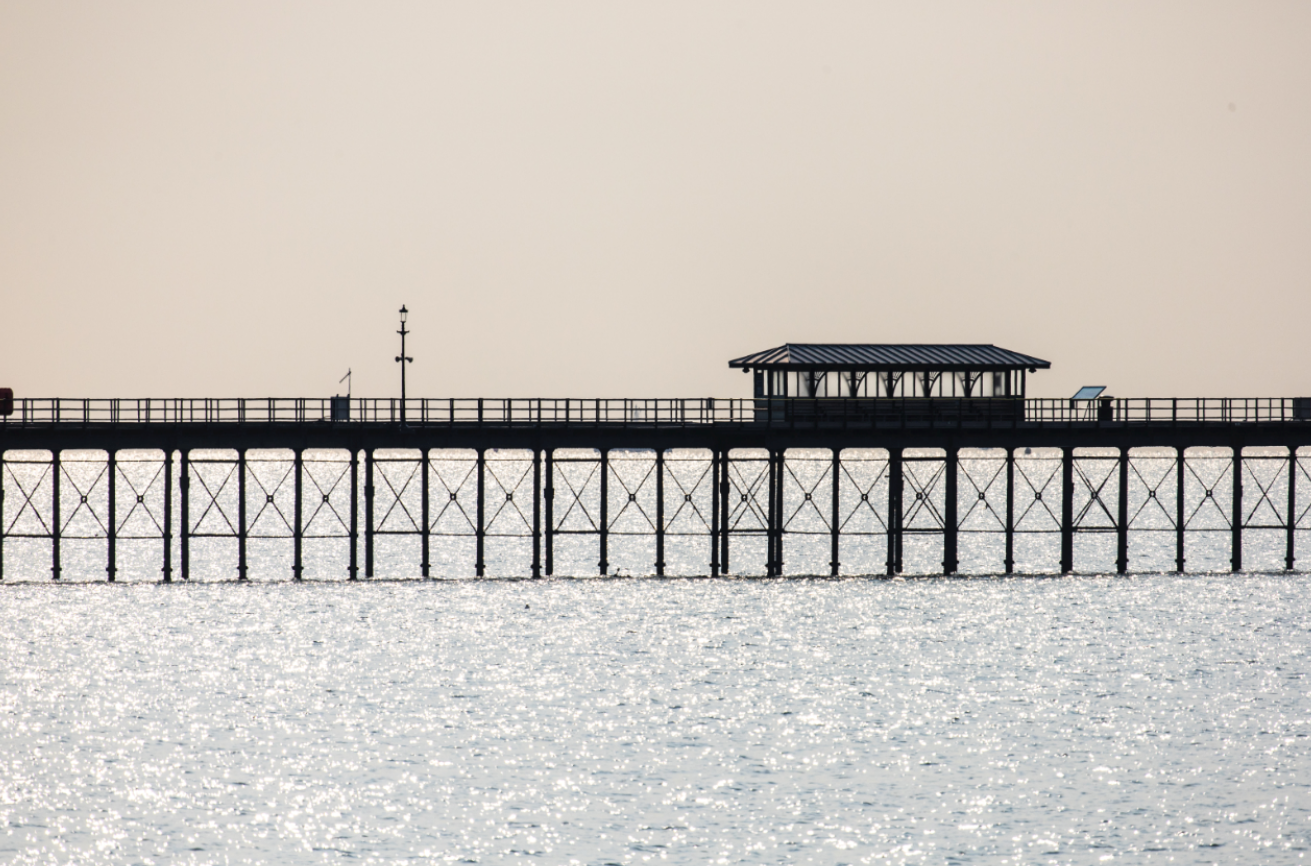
(888, 413)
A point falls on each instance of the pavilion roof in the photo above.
(888, 356)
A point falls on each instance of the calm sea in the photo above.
(1150, 718)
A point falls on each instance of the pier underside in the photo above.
(532, 500)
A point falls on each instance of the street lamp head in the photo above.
(404, 314)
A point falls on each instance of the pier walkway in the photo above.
(867, 471)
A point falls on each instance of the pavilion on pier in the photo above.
(905, 370)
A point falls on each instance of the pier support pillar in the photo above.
(660, 512)
(1122, 517)
(1179, 513)
(604, 562)
(950, 518)
(725, 511)
(548, 504)
(168, 515)
(1009, 562)
(1067, 510)
(895, 484)
(537, 513)
(354, 568)
(56, 469)
(368, 512)
(184, 511)
(426, 532)
(774, 566)
(297, 528)
(2, 513)
(241, 515)
(111, 524)
(480, 531)
(835, 512)
(1290, 551)
(714, 513)
(1236, 521)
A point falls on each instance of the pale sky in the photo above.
(614, 199)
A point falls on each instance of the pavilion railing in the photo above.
(881, 413)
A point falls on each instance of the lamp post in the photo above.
(402, 359)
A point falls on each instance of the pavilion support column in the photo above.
(168, 515)
(548, 504)
(604, 563)
(368, 512)
(56, 469)
(1122, 516)
(660, 512)
(354, 569)
(1179, 515)
(480, 531)
(1236, 519)
(426, 533)
(895, 482)
(111, 528)
(1290, 548)
(1067, 510)
(1009, 561)
(298, 526)
(241, 514)
(950, 519)
(184, 511)
(714, 513)
(835, 511)
(537, 513)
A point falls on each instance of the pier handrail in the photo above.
(796, 412)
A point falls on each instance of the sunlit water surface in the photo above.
(1140, 719)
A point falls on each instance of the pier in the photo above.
(843, 457)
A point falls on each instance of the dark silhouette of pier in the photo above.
(755, 453)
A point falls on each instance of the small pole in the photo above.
(368, 512)
(403, 360)
(549, 504)
(1067, 510)
(950, 520)
(168, 515)
(56, 468)
(184, 511)
(714, 514)
(355, 515)
(1009, 562)
(1179, 509)
(605, 506)
(298, 531)
(537, 512)
(111, 531)
(1122, 517)
(424, 566)
(1236, 520)
(480, 530)
(1290, 551)
(834, 528)
(660, 512)
(241, 514)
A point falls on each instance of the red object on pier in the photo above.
(6, 401)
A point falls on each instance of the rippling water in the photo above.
(1026, 720)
